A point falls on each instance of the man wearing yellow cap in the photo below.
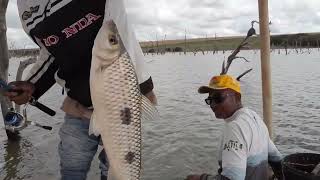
(245, 148)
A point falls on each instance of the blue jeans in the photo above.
(77, 149)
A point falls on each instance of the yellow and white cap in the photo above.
(221, 82)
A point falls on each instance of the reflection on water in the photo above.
(14, 151)
(185, 139)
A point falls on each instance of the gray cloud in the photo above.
(154, 19)
(17, 38)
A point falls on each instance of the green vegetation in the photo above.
(302, 40)
(194, 45)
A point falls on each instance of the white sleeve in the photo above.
(234, 153)
(43, 63)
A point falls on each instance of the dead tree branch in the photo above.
(241, 75)
(234, 56)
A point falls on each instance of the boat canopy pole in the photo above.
(265, 63)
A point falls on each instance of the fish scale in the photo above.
(121, 99)
(123, 137)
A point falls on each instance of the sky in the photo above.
(170, 19)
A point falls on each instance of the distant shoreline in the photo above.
(284, 41)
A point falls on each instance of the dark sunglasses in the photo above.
(216, 99)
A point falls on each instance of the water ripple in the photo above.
(185, 139)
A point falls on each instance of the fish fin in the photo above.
(149, 111)
(93, 129)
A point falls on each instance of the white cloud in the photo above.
(18, 39)
(155, 19)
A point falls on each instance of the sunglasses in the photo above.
(216, 98)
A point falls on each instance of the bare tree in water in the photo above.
(233, 56)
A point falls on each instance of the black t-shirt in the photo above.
(65, 30)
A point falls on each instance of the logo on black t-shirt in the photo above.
(72, 30)
(27, 14)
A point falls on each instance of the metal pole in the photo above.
(265, 63)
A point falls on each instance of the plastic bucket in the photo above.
(299, 166)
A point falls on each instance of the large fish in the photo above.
(118, 104)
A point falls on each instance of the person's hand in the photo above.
(26, 89)
(193, 177)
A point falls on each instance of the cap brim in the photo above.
(204, 89)
(207, 89)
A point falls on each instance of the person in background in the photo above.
(246, 149)
(65, 31)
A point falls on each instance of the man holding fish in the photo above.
(66, 32)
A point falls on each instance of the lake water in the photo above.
(185, 138)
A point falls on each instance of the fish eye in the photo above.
(113, 39)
